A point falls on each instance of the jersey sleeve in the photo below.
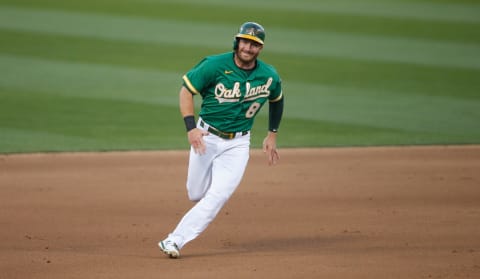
(199, 77)
(276, 93)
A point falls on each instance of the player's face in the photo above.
(248, 51)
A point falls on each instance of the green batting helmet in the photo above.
(250, 31)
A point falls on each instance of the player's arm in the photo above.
(275, 112)
(186, 103)
(187, 109)
(270, 141)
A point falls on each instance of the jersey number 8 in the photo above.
(252, 110)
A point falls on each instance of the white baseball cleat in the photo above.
(170, 248)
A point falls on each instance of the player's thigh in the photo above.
(229, 168)
(200, 170)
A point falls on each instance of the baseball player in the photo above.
(233, 86)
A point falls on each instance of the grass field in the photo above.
(105, 74)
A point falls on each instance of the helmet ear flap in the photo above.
(235, 43)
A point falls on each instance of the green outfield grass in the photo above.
(104, 74)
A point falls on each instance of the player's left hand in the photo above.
(270, 148)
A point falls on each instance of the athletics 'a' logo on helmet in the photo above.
(251, 31)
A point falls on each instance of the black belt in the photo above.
(223, 135)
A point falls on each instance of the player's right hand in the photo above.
(195, 138)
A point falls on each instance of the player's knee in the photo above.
(195, 196)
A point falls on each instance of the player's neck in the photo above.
(244, 65)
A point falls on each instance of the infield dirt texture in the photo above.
(398, 212)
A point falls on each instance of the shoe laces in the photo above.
(170, 244)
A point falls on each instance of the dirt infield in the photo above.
(398, 212)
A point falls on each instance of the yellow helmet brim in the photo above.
(249, 37)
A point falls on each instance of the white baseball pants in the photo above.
(212, 179)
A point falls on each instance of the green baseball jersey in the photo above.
(231, 96)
